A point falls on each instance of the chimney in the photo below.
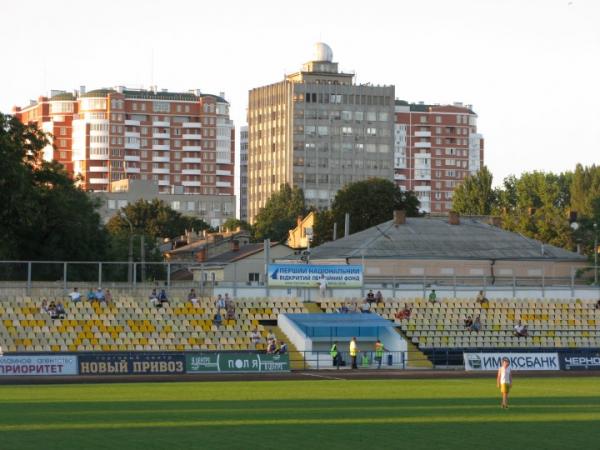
(399, 217)
(453, 218)
(235, 245)
(200, 255)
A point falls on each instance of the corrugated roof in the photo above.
(435, 238)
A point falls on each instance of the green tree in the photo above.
(475, 196)
(279, 214)
(585, 189)
(44, 215)
(371, 202)
(233, 223)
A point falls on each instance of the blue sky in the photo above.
(530, 68)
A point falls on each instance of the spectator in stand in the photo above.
(99, 295)
(404, 314)
(228, 300)
(468, 323)
(476, 325)
(75, 296)
(44, 307)
(370, 296)
(255, 339)
(217, 319)
(378, 297)
(481, 298)
(432, 296)
(598, 304)
(323, 286)
(230, 311)
(220, 302)
(162, 297)
(270, 336)
(192, 297)
(272, 347)
(91, 295)
(365, 308)
(108, 297)
(52, 310)
(281, 349)
(343, 309)
(60, 310)
(153, 297)
(520, 330)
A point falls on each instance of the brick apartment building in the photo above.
(435, 148)
(184, 142)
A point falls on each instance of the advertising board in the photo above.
(518, 361)
(131, 364)
(38, 365)
(236, 362)
(310, 275)
(580, 361)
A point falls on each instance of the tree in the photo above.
(233, 223)
(475, 196)
(279, 214)
(585, 189)
(371, 202)
(44, 215)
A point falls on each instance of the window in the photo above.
(176, 205)
(254, 277)
(383, 116)
(112, 204)
(423, 119)
(438, 119)
(161, 107)
(122, 203)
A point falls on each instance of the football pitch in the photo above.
(545, 413)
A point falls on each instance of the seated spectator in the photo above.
(108, 297)
(370, 296)
(100, 295)
(153, 297)
(520, 330)
(230, 312)
(60, 310)
(220, 302)
(343, 309)
(91, 295)
(192, 297)
(44, 307)
(255, 338)
(598, 304)
(476, 325)
(281, 349)
(432, 296)
(228, 300)
(468, 323)
(481, 298)
(162, 297)
(217, 319)
(52, 310)
(365, 308)
(272, 346)
(404, 313)
(378, 297)
(75, 296)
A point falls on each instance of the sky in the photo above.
(530, 68)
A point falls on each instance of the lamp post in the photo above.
(130, 258)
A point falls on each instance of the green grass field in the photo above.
(545, 413)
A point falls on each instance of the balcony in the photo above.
(223, 160)
(192, 137)
(422, 133)
(132, 145)
(191, 183)
(132, 123)
(161, 147)
(399, 176)
(99, 157)
(161, 159)
(98, 180)
(191, 160)
(132, 134)
(422, 144)
(223, 184)
(161, 135)
(162, 170)
(191, 148)
(161, 124)
(224, 172)
(192, 125)
(132, 169)
(191, 172)
(132, 158)
(98, 169)
(164, 183)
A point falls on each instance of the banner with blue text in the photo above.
(312, 275)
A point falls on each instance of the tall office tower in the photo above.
(184, 142)
(435, 148)
(243, 178)
(317, 130)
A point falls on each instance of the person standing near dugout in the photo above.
(353, 352)
(504, 381)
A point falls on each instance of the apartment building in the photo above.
(183, 141)
(435, 148)
(317, 130)
(243, 178)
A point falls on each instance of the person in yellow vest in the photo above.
(353, 352)
(379, 353)
(335, 355)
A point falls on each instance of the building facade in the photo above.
(243, 178)
(317, 130)
(185, 142)
(213, 209)
(435, 148)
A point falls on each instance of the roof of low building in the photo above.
(435, 238)
(424, 107)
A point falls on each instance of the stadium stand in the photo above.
(130, 324)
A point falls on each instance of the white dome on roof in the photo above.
(323, 52)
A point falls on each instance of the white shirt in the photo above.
(504, 375)
(75, 296)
